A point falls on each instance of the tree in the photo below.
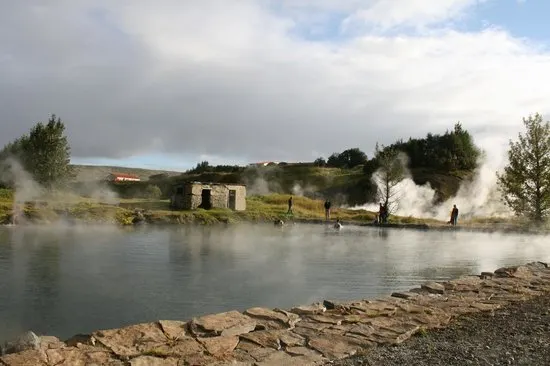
(320, 162)
(525, 182)
(44, 153)
(391, 172)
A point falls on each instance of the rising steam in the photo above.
(476, 197)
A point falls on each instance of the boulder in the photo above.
(26, 341)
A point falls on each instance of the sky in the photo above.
(169, 83)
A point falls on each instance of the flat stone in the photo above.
(333, 304)
(264, 338)
(289, 339)
(224, 324)
(153, 361)
(255, 351)
(50, 342)
(485, 275)
(404, 295)
(131, 341)
(433, 287)
(395, 335)
(328, 319)
(25, 358)
(302, 351)
(173, 329)
(183, 348)
(364, 330)
(309, 309)
(271, 319)
(283, 358)
(334, 347)
(85, 355)
(219, 346)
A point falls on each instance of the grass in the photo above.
(66, 206)
(259, 208)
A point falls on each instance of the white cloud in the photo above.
(233, 80)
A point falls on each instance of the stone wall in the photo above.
(191, 198)
(304, 335)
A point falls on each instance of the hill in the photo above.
(86, 173)
(342, 185)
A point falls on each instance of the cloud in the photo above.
(242, 81)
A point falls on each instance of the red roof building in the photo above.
(123, 177)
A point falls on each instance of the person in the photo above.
(327, 210)
(454, 216)
(289, 205)
(380, 213)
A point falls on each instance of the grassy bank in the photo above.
(71, 208)
(56, 207)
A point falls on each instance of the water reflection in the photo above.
(66, 281)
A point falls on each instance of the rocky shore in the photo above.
(331, 332)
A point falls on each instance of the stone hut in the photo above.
(193, 195)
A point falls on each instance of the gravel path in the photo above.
(518, 334)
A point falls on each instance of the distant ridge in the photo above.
(86, 173)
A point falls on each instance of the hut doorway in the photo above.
(232, 199)
(206, 199)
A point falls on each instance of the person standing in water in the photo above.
(327, 210)
(454, 215)
(289, 205)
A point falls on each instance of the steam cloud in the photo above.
(477, 197)
(26, 190)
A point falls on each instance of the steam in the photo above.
(257, 181)
(28, 191)
(476, 197)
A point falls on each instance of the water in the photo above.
(63, 281)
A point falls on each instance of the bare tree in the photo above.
(391, 171)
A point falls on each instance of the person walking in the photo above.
(289, 205)
(327, 210)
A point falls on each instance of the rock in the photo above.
(290, 339)
(404, 295)
(50, 342)
(283, 358)
(25, 358)
(219, 346)
(309, 309)
(173, 329)
(26, 341)
(272, 319)
(223, 324)
(132, 341)
(265, 338)
(515, 271)
(153, 361)
(328, 319)
(433, 287)
(485, 275)
(334, 347)
(80, 338)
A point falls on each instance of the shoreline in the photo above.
(485, 228)
(303, 335)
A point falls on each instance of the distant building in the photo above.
(193, 195)
(122, 177)
(265, 163)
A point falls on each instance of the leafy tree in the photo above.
(44, 153)
(320, 162)
(525, 182)
(201, 167)
(390, 173)
(349, 158)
